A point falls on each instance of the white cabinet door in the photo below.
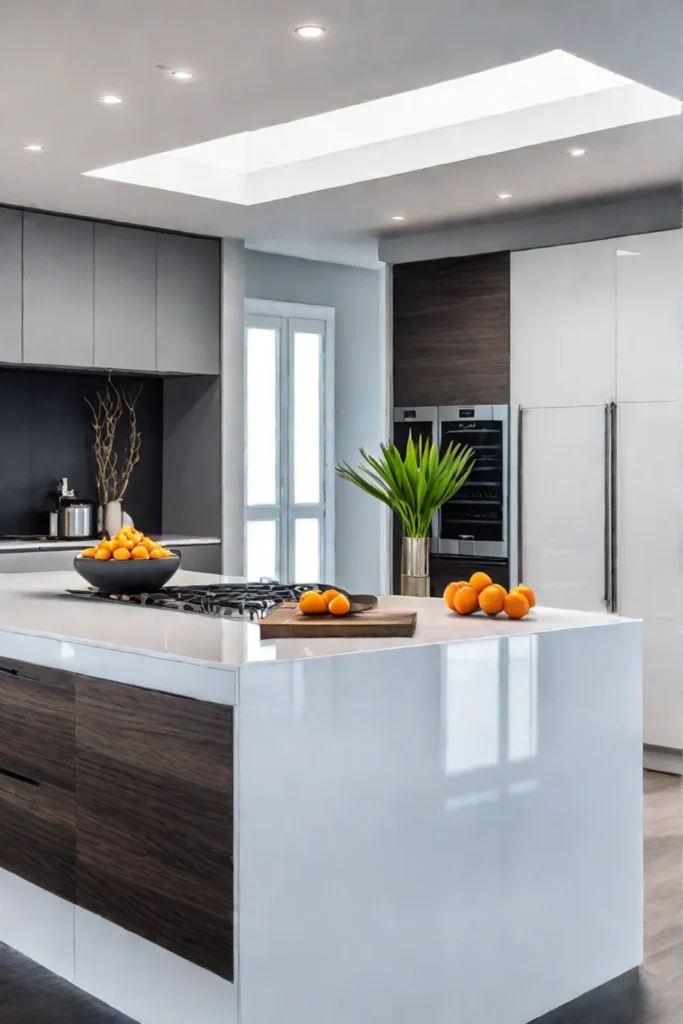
(663, 683)
(649, 317)
(563, 325)
(563, 506)
(649, 504)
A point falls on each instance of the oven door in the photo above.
(475, 521)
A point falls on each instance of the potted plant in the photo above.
(414, 487)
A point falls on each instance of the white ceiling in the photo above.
(252, 72)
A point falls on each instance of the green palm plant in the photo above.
(416, 486)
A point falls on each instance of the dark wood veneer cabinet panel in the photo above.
(451, 337)
(155, 818)
(37, 776)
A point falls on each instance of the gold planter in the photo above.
(415, 567)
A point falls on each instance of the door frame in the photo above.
(294, 311)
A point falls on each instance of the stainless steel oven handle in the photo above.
(520, 494)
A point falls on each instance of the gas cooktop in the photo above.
(224, 600)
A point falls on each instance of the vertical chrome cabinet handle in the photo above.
(607, 528)
(614, 511)
(520, 494)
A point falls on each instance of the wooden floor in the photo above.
(653, 995)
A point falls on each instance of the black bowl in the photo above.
(136, 576)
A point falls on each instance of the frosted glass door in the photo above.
(563, 506)
(288, 448)
(305, 507)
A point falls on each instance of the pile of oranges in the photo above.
(313, 602)
(481, 593)
(126, 545)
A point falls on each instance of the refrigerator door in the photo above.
(564, 507)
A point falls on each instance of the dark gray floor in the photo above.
(654, 995)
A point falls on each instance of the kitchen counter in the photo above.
(17, 546)
(465, 804)
(37, 605)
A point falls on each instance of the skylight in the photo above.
(549, 97)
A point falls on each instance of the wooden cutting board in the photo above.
(287, 623)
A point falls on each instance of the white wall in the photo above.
(361, 392)
(232, 406)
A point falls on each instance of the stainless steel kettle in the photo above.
(75, 518)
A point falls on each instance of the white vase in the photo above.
(113, 518)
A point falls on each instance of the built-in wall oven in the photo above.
(475, 522)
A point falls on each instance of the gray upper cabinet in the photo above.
(188, 304)
(125, 298)
(10, 286)
(58, 290)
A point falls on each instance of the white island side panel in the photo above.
(445, 834)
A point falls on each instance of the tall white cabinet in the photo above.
(593, 324)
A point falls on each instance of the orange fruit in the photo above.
(527, 591)
(104, 545)
(479, 580)
(147, 543)
(450, 592)
(88, 553)
(121, 554)
(139, 552)
(167, 554)
(491, 600)
(103, 554)
(465, 601)
(157, 553)
(329, 596)
(516, 605)
(500, 587)
(312, 603)
(339, 605)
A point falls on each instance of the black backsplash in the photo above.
(45, 434)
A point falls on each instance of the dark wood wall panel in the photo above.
(451, 331)
(154, 790)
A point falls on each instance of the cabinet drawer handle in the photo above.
(14, 673)
(18, 778)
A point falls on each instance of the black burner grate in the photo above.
(239, 600)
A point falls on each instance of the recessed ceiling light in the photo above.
(310, 31)
(505, 195)
(109, 100)
(33, 147)
(181, 74)
(398, 216)
(576, 151)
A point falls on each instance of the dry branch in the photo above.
(112, 483)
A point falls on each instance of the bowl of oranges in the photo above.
(129, 563)
(481, 594)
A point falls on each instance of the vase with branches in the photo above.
(113, 476)
(415, 487)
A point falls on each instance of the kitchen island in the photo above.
(198, 826)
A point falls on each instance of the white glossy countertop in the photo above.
(10, 545)
(37, 605)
